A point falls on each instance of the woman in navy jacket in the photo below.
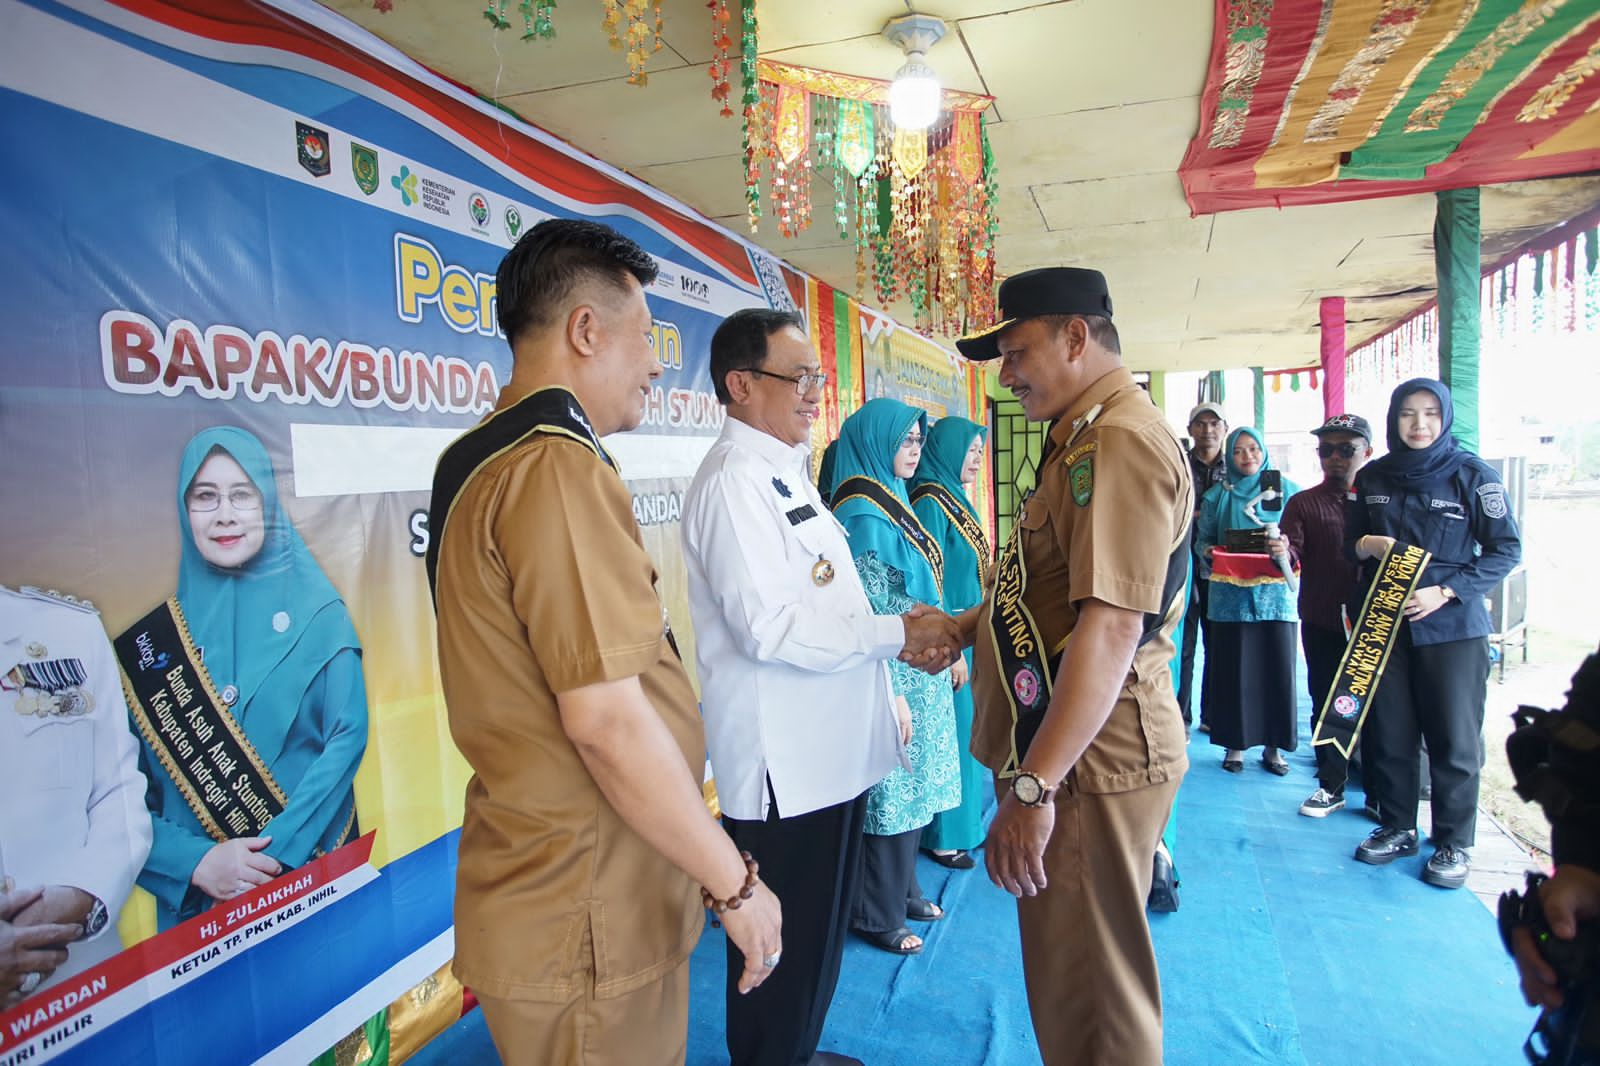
(1431, 492)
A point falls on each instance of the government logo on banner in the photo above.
(364, 166)
(312, 148)
(513, 221)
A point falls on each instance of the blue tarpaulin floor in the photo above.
(1285, 950)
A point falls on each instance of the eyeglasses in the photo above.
(803, 383)
(242, 497)
(912, 440)
(1343, 451)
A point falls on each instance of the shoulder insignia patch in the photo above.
(1492, 498)
(59, 598)
(1081, 477)
(1087, 448)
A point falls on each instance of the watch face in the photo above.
(1027, 789)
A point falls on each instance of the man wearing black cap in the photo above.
(1075, 710)
(1313, 521)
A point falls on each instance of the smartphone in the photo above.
(1273, 480)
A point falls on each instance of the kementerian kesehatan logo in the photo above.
(478, 208)
(312, 149)
(364, 165)
(406, 182)
(513, 221)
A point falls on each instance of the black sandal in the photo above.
(960, 859)
(928, 912)
(893, 941)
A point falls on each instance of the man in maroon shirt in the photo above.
(1313, 520)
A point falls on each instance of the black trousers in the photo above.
(812, 863)
(1193, 623)
(888, 882)
(1436, 693)
(1324, 648)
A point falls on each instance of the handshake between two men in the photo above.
(933, 640)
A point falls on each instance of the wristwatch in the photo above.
(1030, 789)
(95, 920)
(1448, 592)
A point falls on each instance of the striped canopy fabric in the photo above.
(1317, 101)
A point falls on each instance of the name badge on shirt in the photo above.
(800, 514)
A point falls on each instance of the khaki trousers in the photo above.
(1093, 989)
(646, 1027)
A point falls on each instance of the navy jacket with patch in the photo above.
(1465, 522)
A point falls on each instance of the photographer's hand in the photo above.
(1569, 897)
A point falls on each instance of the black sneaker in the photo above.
(1321, 804)
(1385, 845)
(1448, 868)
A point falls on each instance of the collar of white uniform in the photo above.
(788, 458)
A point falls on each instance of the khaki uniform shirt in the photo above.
(1117, 546)
(544, 586)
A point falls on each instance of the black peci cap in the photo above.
(1032, 293)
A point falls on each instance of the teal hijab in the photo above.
(1237, 492)
(944, 453)
(270, 626)
(868, 441)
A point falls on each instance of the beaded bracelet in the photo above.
(732, 903)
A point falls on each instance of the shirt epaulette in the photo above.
(61, 598)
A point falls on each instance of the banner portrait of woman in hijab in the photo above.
(247, 690)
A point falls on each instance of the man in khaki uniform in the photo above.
(585, 833)
(1075, 710)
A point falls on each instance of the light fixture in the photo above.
(915, 94)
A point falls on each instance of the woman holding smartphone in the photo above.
(1249, 695)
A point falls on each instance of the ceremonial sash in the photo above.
(1028, 673)
(969, 527)
(1018, 648)
(191, 730)
(550, 410)
(1366, 655)
(879, 496)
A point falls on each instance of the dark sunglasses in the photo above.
(1343, 451)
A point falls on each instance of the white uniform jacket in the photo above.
(794, 680)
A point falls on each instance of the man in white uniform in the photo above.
(800, 717)
(74, 829)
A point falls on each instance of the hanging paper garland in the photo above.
(628, 25)
(536, 21)
(721, 54)
(751, 99)
(920, 206)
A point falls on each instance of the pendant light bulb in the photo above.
(915, 93)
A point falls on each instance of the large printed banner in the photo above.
(904, 365)
(249, 260)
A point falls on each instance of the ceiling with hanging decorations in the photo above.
(1227, 164)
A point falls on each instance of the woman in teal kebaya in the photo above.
(278, 646)
(879, 447)
(951, 459)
